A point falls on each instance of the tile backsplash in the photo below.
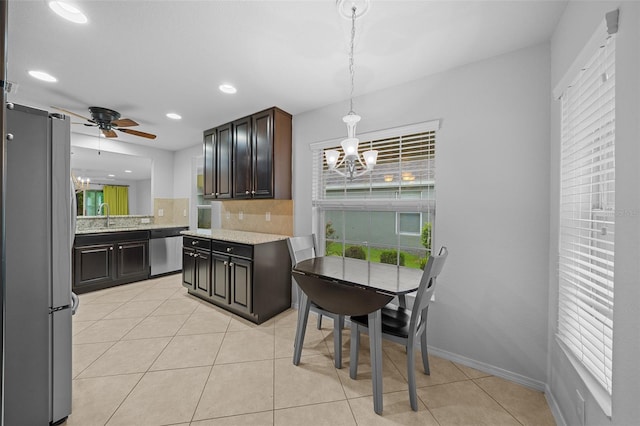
(171, 211)
(266, 216)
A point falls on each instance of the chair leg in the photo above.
(337, 341)
(411, 375)
(355, 349)
(424, 352)
(303, 316)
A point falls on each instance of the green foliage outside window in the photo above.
(391, 257)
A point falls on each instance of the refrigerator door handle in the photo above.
(75, 302)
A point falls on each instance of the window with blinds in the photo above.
(381, 215)
(587, 216)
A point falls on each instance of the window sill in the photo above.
(598, 392)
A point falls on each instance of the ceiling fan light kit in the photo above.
(108, 121)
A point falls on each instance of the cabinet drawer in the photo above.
(232, 249)
(201, 243)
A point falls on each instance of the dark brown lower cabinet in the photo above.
(109, 259)
(253, 281)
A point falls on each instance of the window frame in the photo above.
(396, 205)
(596, 203)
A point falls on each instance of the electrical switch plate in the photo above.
(160, 212)
(184, 212)
(267, 216)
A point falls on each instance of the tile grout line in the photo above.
(497, 402)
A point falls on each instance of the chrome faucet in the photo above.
(101, 207)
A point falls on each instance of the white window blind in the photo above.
(587, 217)
(405, 170)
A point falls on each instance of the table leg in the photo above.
(303, 316)
(375, 343)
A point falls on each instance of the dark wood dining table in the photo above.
(353, 287)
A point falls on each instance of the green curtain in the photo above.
(117, 197)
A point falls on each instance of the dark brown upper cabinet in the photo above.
(218, 162)
(250, 157)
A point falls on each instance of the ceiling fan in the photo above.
(108, 121)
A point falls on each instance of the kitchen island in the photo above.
(247, 273)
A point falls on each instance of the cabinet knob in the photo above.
(194, 243)
(226, 263)
(253, 192)
(230, 264)
(217, 193)
(246, 192)
(229, 249)
(111, 248)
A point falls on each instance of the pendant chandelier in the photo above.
(351, 9)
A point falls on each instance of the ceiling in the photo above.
(148, 58)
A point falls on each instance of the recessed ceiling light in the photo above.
(227, 88)
(41, 75)
(128, 171)
(111, 175)
(174, 116)
(68, 12)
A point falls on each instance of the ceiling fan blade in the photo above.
(124, 122)
(138, 133)
(72, 113)
(109, 133)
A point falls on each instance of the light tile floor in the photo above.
(148, 353)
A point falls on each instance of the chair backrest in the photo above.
(428, 282)
(301, 248)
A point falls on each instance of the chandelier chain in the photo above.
(351, 66)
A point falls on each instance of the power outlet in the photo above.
(184, 212)
(580, 408)
(160, 212)
(145, 220)
(267, 216)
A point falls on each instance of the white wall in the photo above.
(572, 33)
(492, 201)
(141, 197)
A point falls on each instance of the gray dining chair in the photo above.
(303, 248)
(404, 326)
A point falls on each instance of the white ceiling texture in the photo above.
(148, 58)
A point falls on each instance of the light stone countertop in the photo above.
(140, 227)
(242, 237)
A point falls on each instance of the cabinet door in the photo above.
(202, 271)
(242, 181)
(133, 259)
(188, 268)
(224, 149)
(241, 284)
(220, 278)
(262, 154)
(93, 264)
(209, 164)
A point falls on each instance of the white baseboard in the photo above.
(490, 369)
(554, 407)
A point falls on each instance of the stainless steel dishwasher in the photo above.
(165, 250)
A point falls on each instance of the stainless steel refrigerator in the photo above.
(39, 231)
